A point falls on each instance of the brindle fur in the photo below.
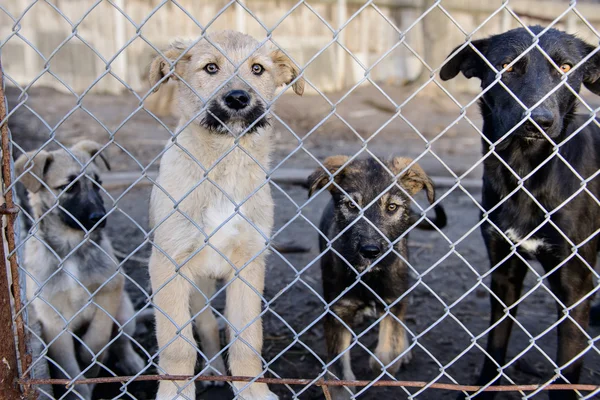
(385, 276)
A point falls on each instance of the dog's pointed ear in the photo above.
(36, 166)
(466, 61)
(92, 148)
(286, 71)
(161, 65)
(591, 70)
(320, 177)
(414, 179)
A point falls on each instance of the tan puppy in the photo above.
(215, 225)
(71, 270)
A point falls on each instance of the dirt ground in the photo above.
(449, 305)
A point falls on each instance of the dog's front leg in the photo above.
(393, 341)
(100, 329)
(507, 282)
(176, 345)
(207, 327)
(338, 339)
(571, 282)
(243, 307)
(129, 361)
(62, 352)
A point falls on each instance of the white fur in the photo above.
(530, 245)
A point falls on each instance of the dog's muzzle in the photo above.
(544, 118)
(237, 99)
(233, 111)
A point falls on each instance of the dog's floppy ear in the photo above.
(466, 61)
(92, 148)
(591, 70)
(414, 179)
(320, 177)
(286, 71)
(36, 165)
(161, 66)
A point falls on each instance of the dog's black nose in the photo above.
(543, 117)
(369, 251)
(237, 99)
(95, 217)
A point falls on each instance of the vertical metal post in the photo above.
(9, 371)
(7, 343)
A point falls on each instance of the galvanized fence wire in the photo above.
(268, 237)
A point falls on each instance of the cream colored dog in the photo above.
(216, 224)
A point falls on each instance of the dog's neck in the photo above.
(208, 146)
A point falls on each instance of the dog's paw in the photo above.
(131, 363)
(386, 358)
(257, 391)
(342, 393)
(170, 391)
(217, 368)
(80, 392)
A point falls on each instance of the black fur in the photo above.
(217, 118)
(84, 207)
(524, 150)
(387, 276)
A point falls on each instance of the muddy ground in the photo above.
(441, 318)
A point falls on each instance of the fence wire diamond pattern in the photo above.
(300, 339)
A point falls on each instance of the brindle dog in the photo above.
(369, 222)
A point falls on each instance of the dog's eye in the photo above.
(211, 68)
(351, 204)
(257, 69)
(69, 190)
(565, 68)
(508, 69)
(97, 180)
(392, 207)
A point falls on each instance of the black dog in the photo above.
(570, 216)
(365, 246)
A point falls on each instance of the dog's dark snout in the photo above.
(543, 117)
(95, 217)
(370, 251)
(237, 99)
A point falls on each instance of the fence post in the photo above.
(9, 371)
(8, 351)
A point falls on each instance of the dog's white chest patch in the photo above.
(530, 245)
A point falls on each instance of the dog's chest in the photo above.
(526, 243)
(81, 271)
(233, 191)
(67, 291)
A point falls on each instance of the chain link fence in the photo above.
(87, 134)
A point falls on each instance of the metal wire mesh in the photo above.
(298, 339)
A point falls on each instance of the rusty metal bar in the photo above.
(10, 211)
(326, 392)
(4, 210)
(320, 382)
(9, 370)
